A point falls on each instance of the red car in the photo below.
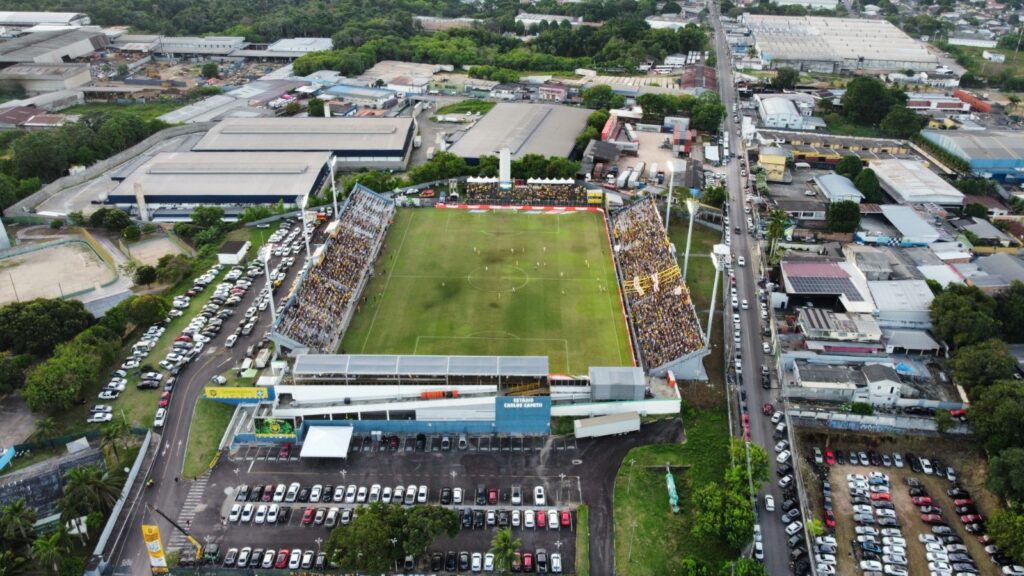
(268, 493)
(746, 419)
(746, 433)
(542, 519)
(492, 496)
(881, 496)
(285, 451)
(985, 539)
(921, 500)
(307, 516)
(527, 562)
(282, 559)
(969, 518)
(830, 519)
(933, 519)
(958, 413)
(830, 458)
(963, 502)
(165, 399)
(183, 338)
(566, 518)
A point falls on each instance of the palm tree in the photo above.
(16, 523)
(47, 551)
(11, 563)
(46, 428)
(88, 488)
(504, 547)
(114, 434)
(778, 221)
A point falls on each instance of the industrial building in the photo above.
(911, 182)
(53, 47)
(810, 4)
(838, 188)
(834, 45)
(364, 96)
(299, 46)
(543, 129)
(529, 20)
(996, 154)
(233, 178)
(776, 112)
(39, 78)
(28, 19)
(383, 143)
(185, 46)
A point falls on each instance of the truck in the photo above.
(613, 424)
(430, 153)
(263, 358)
(624, 177)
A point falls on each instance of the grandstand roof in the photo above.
(308, 365)
(543, 129)
(307, 134)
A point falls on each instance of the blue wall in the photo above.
(523, 414)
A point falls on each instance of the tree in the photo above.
(867, 182)
(602, 97)
(46, 428)
(850, 166)
(20, 324)
(56, 224)
(365, 543)
(48, 551)
(722, 515)
(978, 365)
(147, 309)
(1010, 309)
(315, 107)
(977, 211)
(88, 488)
(1006, 526)
(815, 528)
(208, 216)
(671, 8)
(17, 524)
(759, 468)
(901, 122)
(708, 112)
(714, 196)
(996, 416)
(944, 421)
(504, 547)
(785, 79)
(778, 222)
(843, 216)
(867, 100)
(76, 218)
(171, 268)
(12, 371)
(131, 233)
(210, 70)
(747, 567)
(963, 315)
(862, 408)
(1006, 474)
(422, 524)
(144, 275)
(114, 434)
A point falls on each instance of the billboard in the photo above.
(522, 414)
(157, 561)
(239, 395)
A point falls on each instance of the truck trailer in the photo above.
(610, 425)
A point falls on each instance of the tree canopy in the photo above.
(785, 78)
(383, 534)
(843, 216)
(901, 122)
(867, 100)
(963, 315)
(38, 326)
(850, 166)
(867, 182)
(996, 415)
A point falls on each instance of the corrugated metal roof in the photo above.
(387, 364)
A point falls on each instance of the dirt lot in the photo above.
(150, 250)
(53, 271)
(970, 469)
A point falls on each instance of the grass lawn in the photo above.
(209, 421)
(661, 539)
(977, 64)
(701, 273)
(455, 282)
(839, 125)
(147, 111)
(583, 541)
(481, 106)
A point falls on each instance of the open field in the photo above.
(481, 106)
(150, 250)
(457, 282)
(662, 539)
(208, 424)
(148, 111)
(973, 60)
(50, 272)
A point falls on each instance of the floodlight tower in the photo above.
(668, 194)
(334, 187)
(305, 234)
(691, 206)
(719, 256)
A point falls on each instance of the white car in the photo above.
(477, 563)
(528, 516)
(316, 492)
(385, 495)
(894, 541)
(769, 503)
(783, 456)
(236, 513)
(939, 567)
(538, 496)
(247, 511)
(421, 496)
(108, 395)
(159, 418)
(866, 530)
(295, 559)
(826, 569)
(828, 540)
(894, 550)
(766, 348)
(935, 548)
(279, 493)
(517, 518)
(489, 563)
(871, 565)
(759, 551)
(825, 559)
(929, 538)
(741, 261)
(99, 418)
(361, 494)
(795, 527)
(272, 513)
(456, 495)
(936, 557)
(555, 561)
(375, 493)
(261, 514)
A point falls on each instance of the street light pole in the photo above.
(305, 233)
(668, 195)
(691, 205)
(334, 187)
(718, 255)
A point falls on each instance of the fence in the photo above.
(874, 424)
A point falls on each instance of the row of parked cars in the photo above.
(538, 561)
(881, 550)
(945, 552)
(353, 494)
(283, 559)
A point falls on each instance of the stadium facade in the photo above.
(996, 154)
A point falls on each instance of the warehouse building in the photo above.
(779, 112)
(529, 20)
(28, 19)
(53, 47)
(364, 96)
(381, 143)
(224, 178)
(185, 46)
(838, 188)
(834, 45)
(39, 78)
(996, 154)
(544, 129)
(911, 182)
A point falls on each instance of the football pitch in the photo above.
(456, 282)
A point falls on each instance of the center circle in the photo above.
(498, 278)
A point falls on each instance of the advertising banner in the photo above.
(522, 414)
(157, 561)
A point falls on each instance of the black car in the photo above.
(784, 470)
(788, 505)
(503, 518)
(446, 496)
(463, 560)
(796, 553)
(478, 518)
(840, 458)
(421, 445)
(284, 514)
(467, 518)
(873, 457)
(243, 493)
(436, 562)
(256, 559)
(328, 494)
(451, 561)
(790, 516)
(304, 495)
(952, 539)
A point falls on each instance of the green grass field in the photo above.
(454, 282)
(147, 111)
(481, 106)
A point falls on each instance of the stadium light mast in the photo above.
(691, 206)
(334, 187)
(668, 196)
(719, 255)
(305, 232)
(270, 291)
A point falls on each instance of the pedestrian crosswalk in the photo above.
(193, 499)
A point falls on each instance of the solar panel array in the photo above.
(817, 285)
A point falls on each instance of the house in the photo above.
(553, 92)
(994, 206)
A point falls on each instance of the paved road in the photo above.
(168, 493)
(776, 557)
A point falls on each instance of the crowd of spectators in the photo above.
(664, 320)
(523, 194)
(317, 316)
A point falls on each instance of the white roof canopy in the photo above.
(327, 442)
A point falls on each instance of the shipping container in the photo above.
(612, 424)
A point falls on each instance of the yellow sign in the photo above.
(157, 561)
(257, 392)
(594, 197)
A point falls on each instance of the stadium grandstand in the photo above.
(532, 192)
(318, 311)
(666, 332)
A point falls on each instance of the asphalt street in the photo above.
(746, 245)
(169, 492)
